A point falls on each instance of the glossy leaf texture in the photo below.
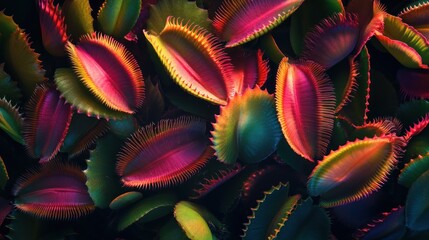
(180, 9)
(238, 22)
(11, 121)
(270, 213)
(355, 170)
(47, 122)
(405, 43)
(416, 206)
(111, 73)
(189, 216)
(55, 191)
(305, 104)
(117, 17)
(81, 98)
(52, 24)
(164, 154)
(77, 16)
(343, 29)
(153, 114)
(403, 53)
(195, 60)
(416, 16)
(247, 128)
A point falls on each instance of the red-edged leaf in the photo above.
(81, 98)
(109, 71)
(417, 16)
(47, 123)
(344, 77)
(55, 191)
(356, 111)
(53, 27)
(389, 225)
(377, 127)
(405, 54)
(195, 60)
(221, 176)
(370, 15)
(164, 154)
(305, 106)
(355, 170)
(417, 127)
(239, 21)
(341, 29)
(404, 42)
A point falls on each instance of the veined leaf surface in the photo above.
(305, 107)
(109, 71)
(55, 191)
(355, 170)
(48, 120)
(195, 60)
(164, 154)
(239, 21)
